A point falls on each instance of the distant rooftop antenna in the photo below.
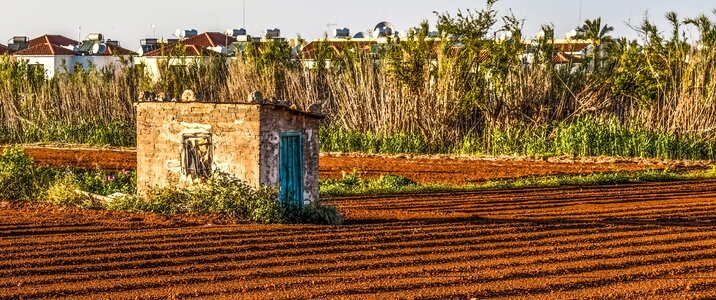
(244, 12)
(154, 30)
(79, 34)
(580, 13)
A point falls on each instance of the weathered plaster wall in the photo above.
(275, 120)
(160, 125)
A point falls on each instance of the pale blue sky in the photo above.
(131, 20)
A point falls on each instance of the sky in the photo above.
(131, 20)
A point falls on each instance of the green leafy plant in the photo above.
(64, 191)
(319, 213)
(16, 174)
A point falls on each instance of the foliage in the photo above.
(585, 136)
(105, 182)
(16, 174)
(322, 214)
(224, 194)
(64, 192)
(353, 182)
(477, 87)
(346, 186)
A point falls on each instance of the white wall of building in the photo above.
(151, 63)
(51, 64)
(99, 61)
(55, 64)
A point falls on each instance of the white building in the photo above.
(192, 50)
(56, 53)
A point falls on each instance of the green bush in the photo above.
(352, 183)
(16, 175)
(227, 195)
(264, 207)
(393, 181)
(319, 213)
(166, 201)
(223, 194)
(64, 192)
(128, 203)
(107, 182)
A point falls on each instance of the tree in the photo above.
(597, 34)
(706, 27)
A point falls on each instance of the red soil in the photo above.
(460, 170)
(106, 159)
(422, 169)
(640, 241)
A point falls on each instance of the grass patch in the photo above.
(223, 194)
(586, 136)
(95, 133)
(352, 184)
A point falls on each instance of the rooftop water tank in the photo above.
(341, 33)
(273, 33)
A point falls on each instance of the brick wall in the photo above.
(160, 126)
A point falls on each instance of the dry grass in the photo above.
(440, 98)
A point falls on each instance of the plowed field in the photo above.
(654, 240)
(421, 169)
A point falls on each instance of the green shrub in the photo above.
(323, 214)
(128, 203)
(64, 192)
(16, 175)
(393, 181)
(223, 194)
(167, 201)
(352, 183)
(107, 182)
(264, 207)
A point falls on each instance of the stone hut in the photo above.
(263, 144)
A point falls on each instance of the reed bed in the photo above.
(465, 92)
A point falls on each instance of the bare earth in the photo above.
(654, 240)
(420, 168)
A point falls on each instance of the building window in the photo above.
(197, 155)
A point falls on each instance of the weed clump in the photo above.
(16, 174)
(221, 193)
(225, 194)
(354, 183)
(66, 190)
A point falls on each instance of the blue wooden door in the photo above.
(291, 169)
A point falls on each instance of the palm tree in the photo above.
(706, 27)
(597, 34)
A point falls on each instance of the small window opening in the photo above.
(197, 155)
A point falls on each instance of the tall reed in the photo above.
(464, 90)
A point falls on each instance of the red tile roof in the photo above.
(561, 58)
(52, 39)
(44, 50)
(210, 39)
(196, 45)
(117, 50)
